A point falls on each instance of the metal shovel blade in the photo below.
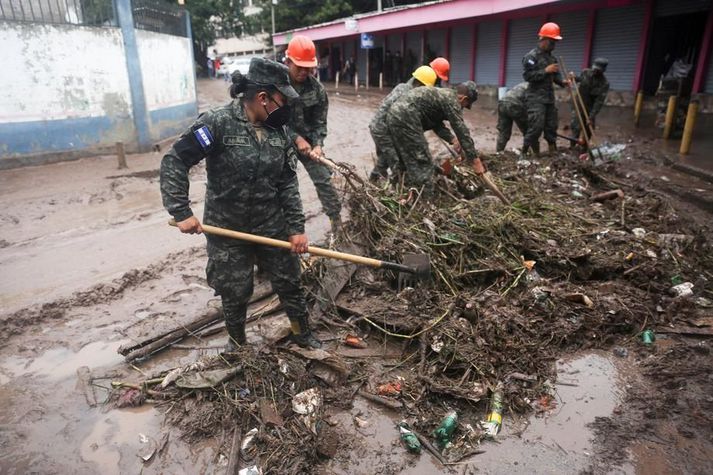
(421, 265)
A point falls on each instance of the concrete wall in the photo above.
(63, 88)
(168, 80)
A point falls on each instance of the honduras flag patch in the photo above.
(204, 137)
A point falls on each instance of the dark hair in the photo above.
(242, 85)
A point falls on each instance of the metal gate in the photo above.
(413, 43)
(487, 56)
(461, 51)
(617, 36)
(574, 39)
(522, 37)
(436, 41)
(680, 7)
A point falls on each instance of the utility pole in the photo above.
(272, 12)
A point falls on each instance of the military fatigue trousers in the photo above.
(321, 176)
(507, 114)
(230, 274)
(386, 155)
(540, 117)
(574, 122)
(412, 149)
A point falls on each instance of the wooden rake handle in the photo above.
(315, 251)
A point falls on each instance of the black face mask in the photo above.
(278, 117)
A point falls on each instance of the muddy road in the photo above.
(89, 264)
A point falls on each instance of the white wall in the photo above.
(167, 69)
(54, 72)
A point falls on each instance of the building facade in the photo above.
(485, 40)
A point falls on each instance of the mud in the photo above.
(89, 264)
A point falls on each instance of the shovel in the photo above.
(487, 177)
(419, 268)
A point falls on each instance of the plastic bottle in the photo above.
(495, 418)
(409, 438)
(444, 432)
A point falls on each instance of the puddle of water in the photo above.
(59, 363)
(560, 442)
(376, 448)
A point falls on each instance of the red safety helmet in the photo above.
(550, 30)
(442, 68)
(302, 52)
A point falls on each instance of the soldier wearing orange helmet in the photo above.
(308, 122)
(442, 68)
(540, 70)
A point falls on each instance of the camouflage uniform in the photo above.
(386, 156)
(511, 108)
(593, 88)
(252, 187)
(308, 119)
(420, 109)
(540, 97)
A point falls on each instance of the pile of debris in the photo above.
(574, 262)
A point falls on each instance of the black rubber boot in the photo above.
(552, 148)
(236, 336)
(302, 335)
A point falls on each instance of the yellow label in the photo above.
(495, 417)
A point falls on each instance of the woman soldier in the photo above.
(252, 187)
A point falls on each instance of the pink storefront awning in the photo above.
(408, 16)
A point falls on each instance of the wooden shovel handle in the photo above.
(316, 251)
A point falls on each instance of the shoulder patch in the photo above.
(205, 138)
(531, 62)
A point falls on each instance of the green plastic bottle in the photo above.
(444, 432)
(409, 438)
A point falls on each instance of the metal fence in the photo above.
(158, 16)
(71, 12)
(151, 15)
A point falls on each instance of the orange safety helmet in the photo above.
(550, 30)
(302, 52)
(442, 68)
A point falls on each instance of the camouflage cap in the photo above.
(269, 73)
(601, 64)
(471, 91)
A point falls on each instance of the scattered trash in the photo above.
(389, 389)
(437, 344)
(243, 393)
(148, 448)
(676, 280)
(579, 298)
(248, 440)
(629, 257)
(131, 398)
(360, 423)
(667, 240)
(704, 302)
(355, 342)
(306, 404)
(639, 232)
(682, 290)
(608, 195)
(651, 254)
(494, 421)
(206, 379)
(621, 352)
(444, 432)
(409, 438)
(544, 403)
(648, 337)
(252, 470)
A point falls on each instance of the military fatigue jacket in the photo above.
(539, 82)
(431, 106)
(308, 116)
(516, 95)
(252, 183)
(378, 123)
(594, 89)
